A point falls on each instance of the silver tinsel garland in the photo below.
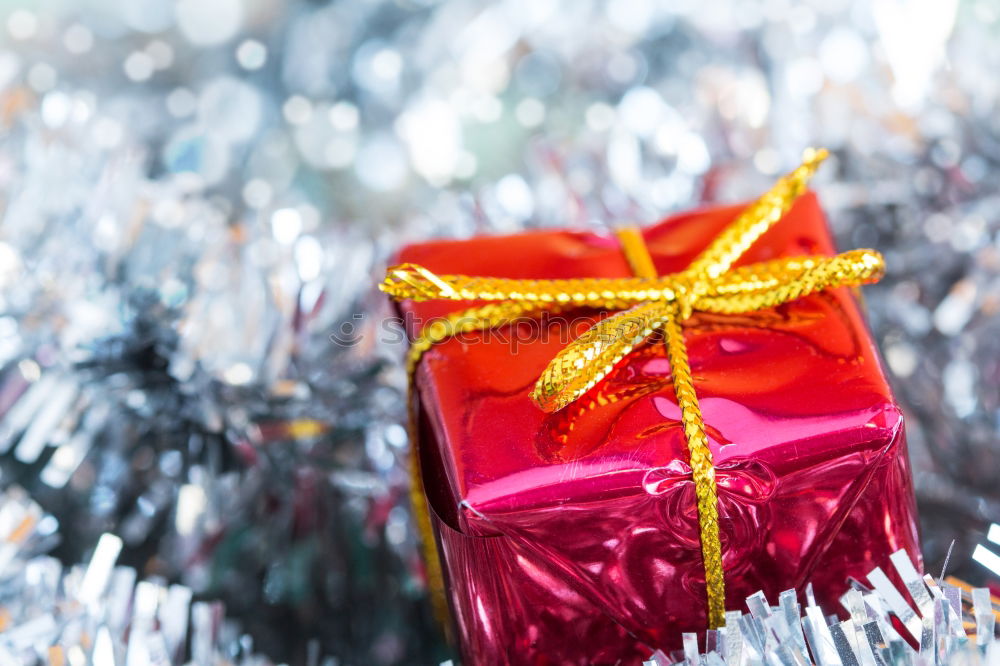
(99, 613)
(195, 197)
(881, 629)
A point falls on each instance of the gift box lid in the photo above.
(778, 388)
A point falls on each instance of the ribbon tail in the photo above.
(762, 286)
(465, 321)
(470, 320)
(760, 216)
(420, 506)
(591, 357)
(702, 470)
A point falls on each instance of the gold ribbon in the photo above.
(646, 304)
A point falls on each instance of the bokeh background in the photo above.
(197, 197)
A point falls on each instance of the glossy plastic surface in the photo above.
(572, 538)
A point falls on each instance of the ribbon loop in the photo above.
(592, 356)
(760, 216)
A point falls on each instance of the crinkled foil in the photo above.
(97, 612)
(195, 197)
(953, 625)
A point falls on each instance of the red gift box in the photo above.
(573, 537)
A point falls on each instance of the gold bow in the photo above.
(646, 304)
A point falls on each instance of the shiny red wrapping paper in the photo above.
(572, 538)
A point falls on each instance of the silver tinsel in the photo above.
(99, 613)
(197, 195)
(881, 628)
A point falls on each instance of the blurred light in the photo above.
(692, 154)
(377, 67)
(308, 258)
(395, 435)
(381, 164)
(957, 308)
(959, 379)
(22, 24)
(104, 647)
(632, 16)
(538, 73)
(173, 292)
(95, 578)
(138, 66)
(482, 46)
(181, 102)
(209, 22)
(913, 36)
(466, 165)
(387, 64)
(802, 19)
(191, 503)
(487, 109)
(340, 151)
(767, 161)
(668, 134)
(432, 134)
(515, 196)
(78, 39)
(319, 143)
(624, 159)
(969, 233)
(344, 116)
(946, 153)
(62, 464)
(8, 327)
(29, 370)
(42, 77)
(902, 359)
(169, 213)
(745, 98)
(56, 109)
(286, 225)
(297, 110)
(600, 117)
(10, 264)
(257, 193)
(938, 227)
(623, 67)
(161, 53)
(640, 110)
(975, 168)
(230, 108)
(238, 374)
(251, 54)
(530, 112)
(192, 150)
(47, 525)
(83, 107)
(396, 529)
(804, 76)
(987, 558)
(149, 16)
(10, 68)
(843, 55)
(581, 180)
